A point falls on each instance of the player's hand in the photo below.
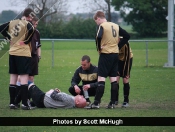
(127, 77)
(86, 87)
(77, 89)
(11, 43)
(58, 90)
(21, 43)
(39, 57)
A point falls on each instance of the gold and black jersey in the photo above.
(125, 55)
(88, 77)
(110, 37)
(125, 52)
(18, 31)
(85, 76)
(131, 54)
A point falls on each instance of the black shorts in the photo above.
(124, 68)
(19, 65)
(37, 96)
(34, 65)
(107, 65)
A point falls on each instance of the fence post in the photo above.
(146, 53)
(52, 53)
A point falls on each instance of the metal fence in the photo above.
(145, 41)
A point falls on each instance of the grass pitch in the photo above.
(152, 91)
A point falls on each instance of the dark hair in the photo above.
(27, 12)
(35, 18)
(86, 57)
(99, 14)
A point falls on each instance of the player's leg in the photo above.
(24, 91)
(117, 95)
(18, 93)
(23, 71)
(12, 90)
(72, 91)
(86, 96)
(31, 79)
(37, 96)
(113, 80)
(119, 74)
(103, 71)
(91, 92)
(34, 68)
(99, 92)
(114, 93)
(126, 87)
(13, 78)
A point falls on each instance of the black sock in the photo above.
(126, 89)
(18, 95)
(24, 94)
(32, 104)
(88, 100)
(114, 92)
(117, 94)
(12, 90)
(99, 92)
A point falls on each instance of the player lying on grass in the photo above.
(54, 98)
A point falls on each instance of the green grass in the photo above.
(151, 95)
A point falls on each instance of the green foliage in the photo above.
(148, 17)
(44, 30)
(7, 15)
(76, 28)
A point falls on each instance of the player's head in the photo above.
(28, 14)
(85, 62)
(80, 101)
(99, 17)
(35, 21)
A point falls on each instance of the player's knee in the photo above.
(125, 80)
(101, 83)
(72, 91)
(101, 87)
(114, 85)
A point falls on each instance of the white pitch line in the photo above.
(3, 55)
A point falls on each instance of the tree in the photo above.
(103, 5)
(148, 17)
(109, 9)
(79, 28)
(6, 16)
(44, 9)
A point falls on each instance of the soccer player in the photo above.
(36, 50)
(54, 98)
(36, 56)
(19, 33)
(124, 68)
(106, 42)
(87, 73)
